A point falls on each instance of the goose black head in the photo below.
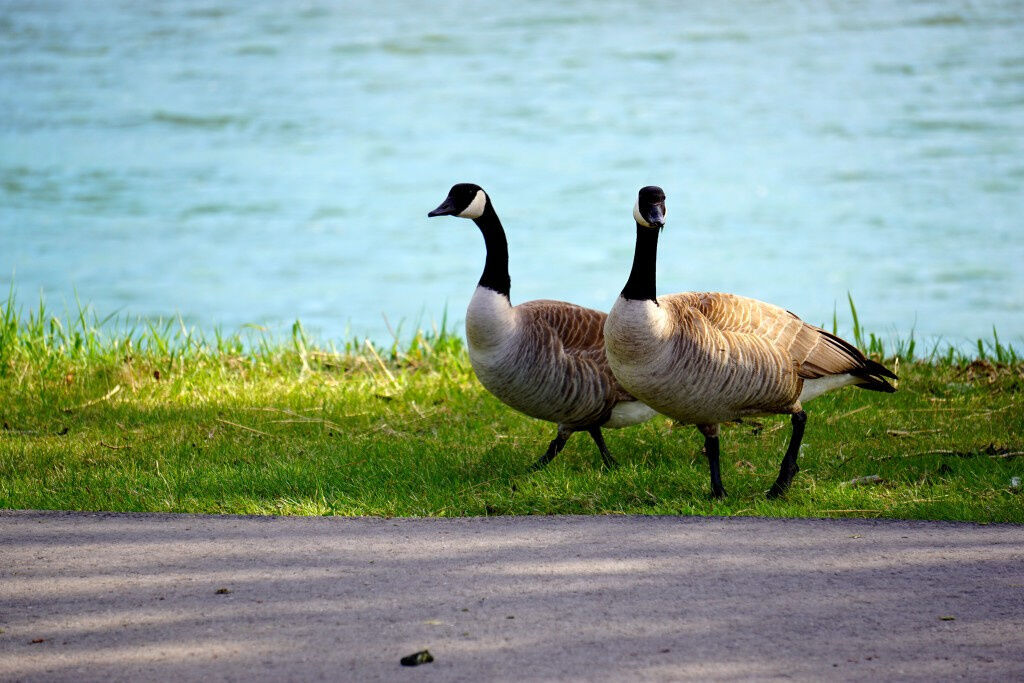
(649, 210)
(464, 200)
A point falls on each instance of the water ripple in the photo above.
(262, 161)
(202, 121)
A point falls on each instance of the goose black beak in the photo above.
(447, 208)
(654, 215)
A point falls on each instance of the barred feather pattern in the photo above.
(544, 358)
(709, 357)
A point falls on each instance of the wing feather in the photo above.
(813, 352)
(578, 334)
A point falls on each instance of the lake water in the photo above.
(258, 162)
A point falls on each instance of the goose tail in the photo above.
(872, 376)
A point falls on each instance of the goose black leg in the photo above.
(710, 433)
(789, 467)
(606, 457)
(556, 445)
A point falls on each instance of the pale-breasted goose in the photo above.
(543, 358)
(704, 358)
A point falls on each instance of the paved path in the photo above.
(113, 597)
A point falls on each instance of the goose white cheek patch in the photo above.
(476, 207)
(636, 215)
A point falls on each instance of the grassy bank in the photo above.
(155, 419)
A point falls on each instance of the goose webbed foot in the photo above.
(778, 490)
(554, 448)
(789, 468)
(606, 457)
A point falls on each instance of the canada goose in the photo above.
(704, 358)
(543, 358)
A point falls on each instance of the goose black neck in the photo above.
(495, 275)
(642, 282)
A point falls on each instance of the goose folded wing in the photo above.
(578, 334)
(815, 352)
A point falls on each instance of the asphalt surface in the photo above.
(115, 597)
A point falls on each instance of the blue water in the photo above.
(258, 162)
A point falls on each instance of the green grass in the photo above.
(154, 417)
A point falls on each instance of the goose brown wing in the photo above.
(580, 333)
(815, 352)
(578, 328)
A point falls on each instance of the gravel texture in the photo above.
(99, 596)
